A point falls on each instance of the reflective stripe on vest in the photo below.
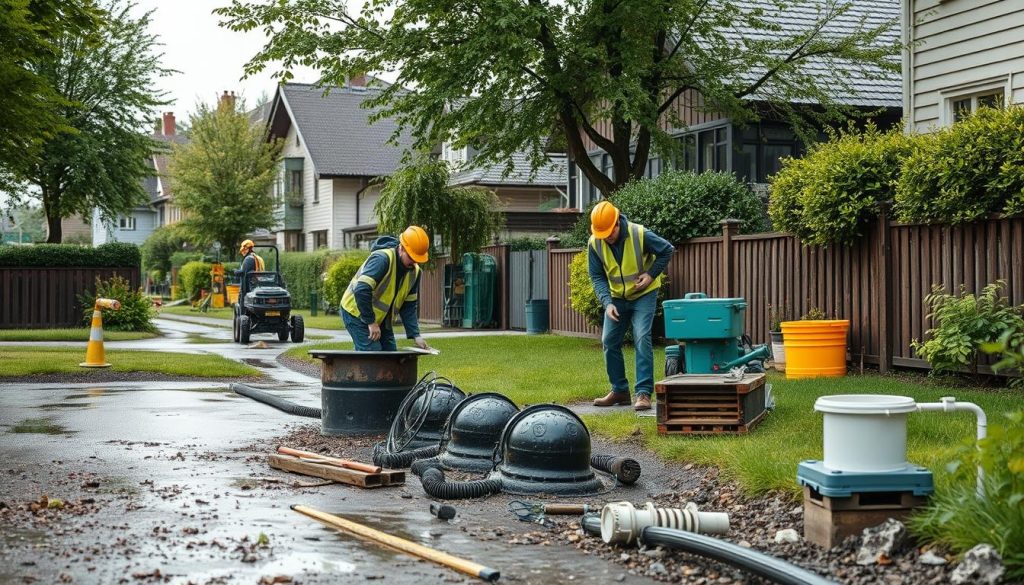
(622, 277)
(388, 295)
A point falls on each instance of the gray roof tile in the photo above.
(553, 174)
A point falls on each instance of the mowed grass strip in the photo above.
(528, 369)
(26, 361)
(76, 334)
(321, 321)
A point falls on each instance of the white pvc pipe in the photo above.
(622, 523)
(949, 404)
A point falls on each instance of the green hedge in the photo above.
(194, 277)
(340, 274)
(304, 272)
(679, 205)
(113, 255)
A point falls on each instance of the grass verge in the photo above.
(77, 334)
(321, 321)
(26, 361)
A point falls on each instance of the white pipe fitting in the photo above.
(621, 523)
(949, 404)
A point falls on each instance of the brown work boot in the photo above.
(613, 399)
(643, 402)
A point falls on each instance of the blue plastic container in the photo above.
(698, 317)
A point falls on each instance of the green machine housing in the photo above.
(711, 330)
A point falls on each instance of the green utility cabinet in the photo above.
(480, 272)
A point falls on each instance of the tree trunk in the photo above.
(54, 233)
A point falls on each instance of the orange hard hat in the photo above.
(603, 219)
(416, 243)
(245, 244)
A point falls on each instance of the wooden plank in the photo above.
(362, 479)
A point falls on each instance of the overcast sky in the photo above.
(209, 59)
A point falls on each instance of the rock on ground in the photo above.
(879, 543)
(982, 565)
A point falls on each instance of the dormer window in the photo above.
(454, 156)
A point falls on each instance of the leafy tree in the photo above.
(510, 75)
(464, 218)
(222, 177)
(158, 248)
(30, 106)
(107, 84)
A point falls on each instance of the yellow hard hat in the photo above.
(245, 244)
(416, 243)
(603, 219)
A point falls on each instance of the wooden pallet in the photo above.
(704, 404)
(387, 477)
(828, 521)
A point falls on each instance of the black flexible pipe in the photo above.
(276, 401)
(421, 465)
(760, 564)
(402, 459)
(626, 470)
(436, 486)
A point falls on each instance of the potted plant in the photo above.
(776, 315)
(815, 345)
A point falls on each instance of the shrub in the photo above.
(194, 277)
(340, 274)
(158, 248)
(113, 255)
(136, 312)
(179, 259)
(583, 300)
(680, 205)
(832, 194)
(1011, 358)
(966, 172)
(964, 322)
(304, 272)
(958, 518)
(526, 243)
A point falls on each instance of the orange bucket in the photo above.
(232, 290)
(815, 348)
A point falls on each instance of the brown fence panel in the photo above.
(40, 298)
(501, 257)
(432, 292)
(563, 318)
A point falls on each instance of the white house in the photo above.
(962, 54)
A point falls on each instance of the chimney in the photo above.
(227, 101)
(168, 123)
(357, 80)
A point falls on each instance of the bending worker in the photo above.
(250, 263)
(626, 264)
(387, 283)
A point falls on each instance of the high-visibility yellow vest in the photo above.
(260, 265)
(622, 277)
(388, 294)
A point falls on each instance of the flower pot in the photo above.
(778, 351)
(815, 348)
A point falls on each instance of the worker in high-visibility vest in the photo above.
(626, 262)
(387, 284)
(250, 263)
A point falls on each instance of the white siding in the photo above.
(344, 209)
(367, 202)
(315, 216)
(958, 47)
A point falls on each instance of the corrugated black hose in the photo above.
(626, 470)
(769, 567)
(276, 401)
(421, 465)
(402, 459)
(436, 486)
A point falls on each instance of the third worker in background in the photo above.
(386, 284)
(626, 262)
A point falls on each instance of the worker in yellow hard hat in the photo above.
(251, 262)
(626, 262)
(386, 284)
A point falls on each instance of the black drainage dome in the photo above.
(473, 429)
(443, 399)
(546, 449)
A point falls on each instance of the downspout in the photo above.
(359, 193)
(949, 404)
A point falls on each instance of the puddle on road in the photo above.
(59, 405)
(16, 536)
(257, 363)
(40, 426)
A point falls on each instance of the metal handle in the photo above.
(695, 295)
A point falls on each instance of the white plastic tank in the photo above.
(865, 432)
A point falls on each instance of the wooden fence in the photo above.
(38, 298)
(878, 284)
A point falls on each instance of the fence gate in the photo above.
(526, 267)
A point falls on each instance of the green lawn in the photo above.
(544, 368)
(321, 321)
(81, 334)
(25, 361)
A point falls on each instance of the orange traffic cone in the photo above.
(95, 355)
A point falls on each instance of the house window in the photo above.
(126, 224)
(295, 181)
(606, 166)
(454, 156)
(686, 158)
(713, 149)
(963, 107)
(319, 239)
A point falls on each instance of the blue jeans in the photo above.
(360, 333)
(639, 314)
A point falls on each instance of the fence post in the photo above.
(883, 282)
(730, 227)
(552, 244)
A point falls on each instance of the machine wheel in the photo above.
(243, 329)
(282, 333)
(234, 328)
(298, 329)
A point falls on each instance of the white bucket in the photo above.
(865, 432)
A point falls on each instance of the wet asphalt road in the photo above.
(163, 485)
